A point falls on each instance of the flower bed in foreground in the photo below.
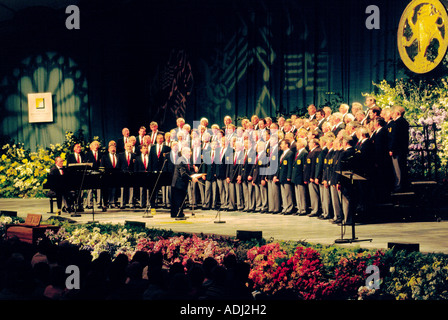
(283, 270)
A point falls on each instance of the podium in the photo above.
(352, 177)
(30, 231)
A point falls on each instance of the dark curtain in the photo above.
(133, 62)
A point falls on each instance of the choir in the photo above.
(292, 166)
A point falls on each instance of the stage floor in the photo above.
(430, 235)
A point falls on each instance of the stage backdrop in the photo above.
(132, 62)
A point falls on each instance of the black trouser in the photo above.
(177, 201)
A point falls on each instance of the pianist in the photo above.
(56, 185)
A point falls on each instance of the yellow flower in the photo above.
(4, 157)
(25, 161)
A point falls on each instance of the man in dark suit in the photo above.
(93, 156)
(142, 164)
(224, 156)
(246, 168)
(399, 147)
(181, 178)
(121, 141)
(57, 186)
(382, 177)
(327, 208)
(140, 137)
(210, 169)
(346, 163)
(111, 164)
(297, 176)
(333, 179)
(318, 177)
(72, 159)
(257, 177)
(362, 165)
(273, 155)
(309, 172)
(127, 161)
(232, 174)
(76, 157)
(158, 153)
(284, 177)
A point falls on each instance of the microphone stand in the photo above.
(148, 206)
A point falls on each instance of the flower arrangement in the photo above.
(23, 173)
(426, 105)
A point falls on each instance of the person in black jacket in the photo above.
(297, 176)
(224, 155)
(127, 161)
(158, 153)
(310, 170)
(382, 176)
(399, 147)
(142, 164)
(57, 187)
(346, 186)
(210, 158)
(181, 178)
(77, 157)
(110, 162)
(284, 177)
(93, 156)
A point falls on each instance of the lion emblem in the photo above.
(422, 35)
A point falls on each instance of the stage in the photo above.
(429, 234)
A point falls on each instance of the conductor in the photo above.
(181, 177)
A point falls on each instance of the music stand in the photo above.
(352, 177)
(94, 196)
(148, 206)
(79, 167)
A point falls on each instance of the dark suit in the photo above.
(235, 190)
(142, 164)
(382, 178)
(179, 185)
(348, 195)
(71, 158)
(258, 175)
(284, 175)
(248, 190)
(210, 169)
(309, 172)
(318, 174)
(127, 162)
(273, 187)
(158, 163)
(57, 186)
(109, 194)
(224, 155)
(96, 163)
(399, 146)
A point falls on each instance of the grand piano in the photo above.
(80, 177)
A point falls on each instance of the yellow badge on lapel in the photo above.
(325, 161)
(317, 160)
(308, 161)
(273, 157)
(285, 162)
(259, 163)
(299, 162)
